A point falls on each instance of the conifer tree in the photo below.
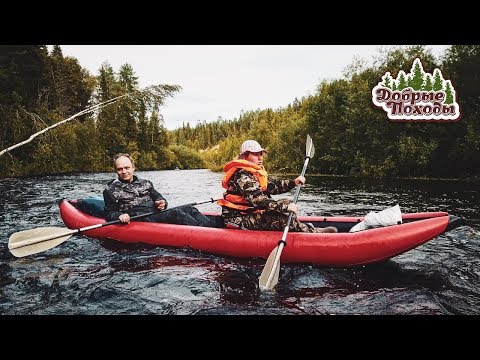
(437, 80)
(417, 75)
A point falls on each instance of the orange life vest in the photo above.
(237, 201)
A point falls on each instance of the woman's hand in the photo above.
(299, 180)
(292, 207)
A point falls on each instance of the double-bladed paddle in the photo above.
(33, 241)
(269, 277)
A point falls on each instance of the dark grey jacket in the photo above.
(134, 198)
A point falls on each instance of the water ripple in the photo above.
(85, 276)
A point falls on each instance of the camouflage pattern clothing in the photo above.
(136, 197)
(275, 214)
(139, 196)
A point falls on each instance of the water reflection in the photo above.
(90, 276)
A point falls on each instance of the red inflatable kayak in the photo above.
(330, 249)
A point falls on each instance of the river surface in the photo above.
(85, 276)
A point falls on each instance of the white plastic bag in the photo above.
(387, 217)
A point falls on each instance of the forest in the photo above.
(40, 88)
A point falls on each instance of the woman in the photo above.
(247, 201)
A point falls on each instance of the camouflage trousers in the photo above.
(268, 220)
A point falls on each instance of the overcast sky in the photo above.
(222, 80)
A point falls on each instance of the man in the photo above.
(129, 195)
(247, 201)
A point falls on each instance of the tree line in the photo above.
(352, 137)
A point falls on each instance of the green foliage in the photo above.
(146, 160)
(461, 65)
(351, 136)
(414, 155)
(187, 158)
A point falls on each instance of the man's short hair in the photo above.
(120, 155)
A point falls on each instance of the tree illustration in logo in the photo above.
(419, 80)
(417, 95)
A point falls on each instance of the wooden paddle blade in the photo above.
(53, 236)
(267, 270)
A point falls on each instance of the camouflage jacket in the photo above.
(136, 197)
(245, 184)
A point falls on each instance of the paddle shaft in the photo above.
(283, 241)
(36, 240)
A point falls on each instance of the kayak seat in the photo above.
(92, 206)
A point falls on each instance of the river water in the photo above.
(85, 276)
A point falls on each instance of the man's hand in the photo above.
(124, 218)
(160, 204)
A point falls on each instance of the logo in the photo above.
(417, 96)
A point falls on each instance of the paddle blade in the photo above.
(270, 268)
(310, 148)
(33, 241)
